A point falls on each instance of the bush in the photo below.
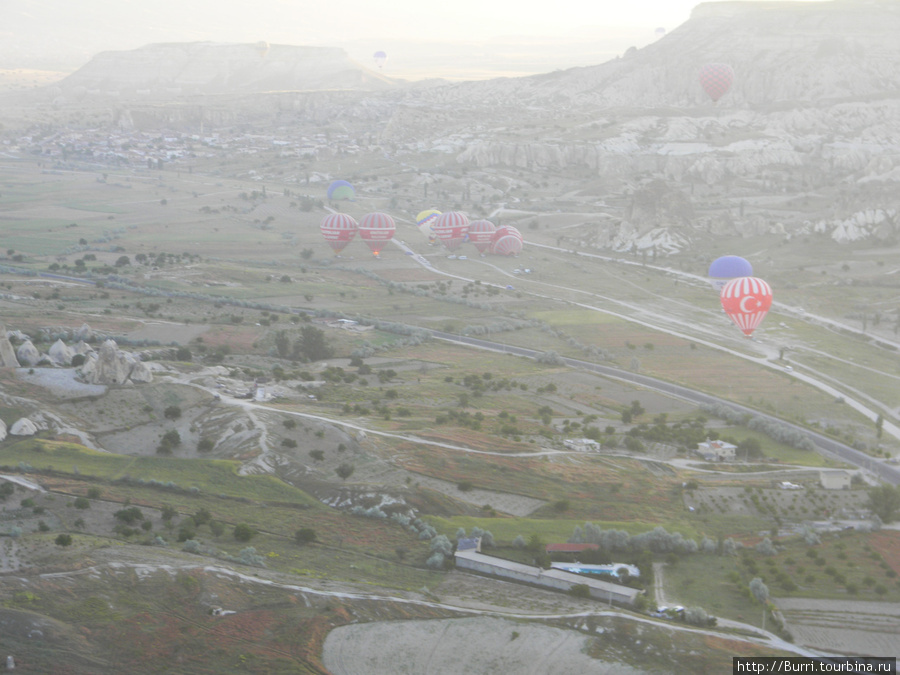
(580, 591)
(173, 412)
(130, 515)
(82, 503)
(63, 540)
(243, 532)
(305, 535)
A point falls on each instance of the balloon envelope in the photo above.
(716, 79)
(425, 219)
(508, 244)
(480, 233)
(728, 267)
(338, 229)
(451, 228)
(380, 58)
(746, 300)
(341, 189)
(376, 229)
(262, 48)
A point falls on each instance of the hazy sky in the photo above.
(480, 19)
(422, 38)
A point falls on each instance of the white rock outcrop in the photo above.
(84, 333)
(60, 353)
(2, 430)
(28, 354)
(110, 365)
(23, 427)
(7, 353)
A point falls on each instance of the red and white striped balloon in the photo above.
(746, 300)
(338, 229)
(376, 229)
(451, 228)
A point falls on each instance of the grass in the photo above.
(209, 476)
(549, 531)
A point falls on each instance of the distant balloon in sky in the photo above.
(262, 48)
(728, 267)
(746, 300)
(380, 58)
(341, 189)
(376, 229)
(338, 229)
(716, 79)
(659, 32)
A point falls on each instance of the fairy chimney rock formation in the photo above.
(28, 354)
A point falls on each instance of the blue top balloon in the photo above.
(340, 189)
(727, 268)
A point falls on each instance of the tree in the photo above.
(313, 345)
(82, 503)
(760, 593)
(345, 470)
(305, 535)
(879, 426)
(64, 540)
(129, 515)
(751, 447)
(282, 344)
(122, 261)
(884, 502)
(173, 412)
(243, 532)
(183, 354)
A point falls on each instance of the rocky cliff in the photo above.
(169, 71)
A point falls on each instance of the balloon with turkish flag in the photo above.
(746, 300)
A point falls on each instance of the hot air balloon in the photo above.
(262, 48)
(508, 244)
(728, 267)
(341, 189)
(480, 234)
(451, 228)
(424, 221)
(746, 300)
(338, 229)
(505, 231)
(716, 79)
(376, 229)
(659, 32)
(380, 58)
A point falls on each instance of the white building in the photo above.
(717, 451)
(552, 578)
(834, 480)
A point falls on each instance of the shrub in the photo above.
(243, 532)
(129, 515)
(305, 535)
(580, 591)
(63, 540)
